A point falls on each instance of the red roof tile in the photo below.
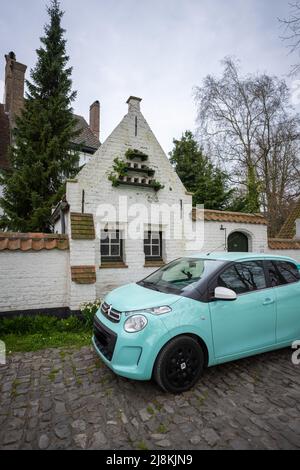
(227, 216)
(284, 244)
(288, 230)
(86, 138)
(33, 241)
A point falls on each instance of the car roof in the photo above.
(235, 256)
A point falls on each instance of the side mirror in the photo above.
(222, 293)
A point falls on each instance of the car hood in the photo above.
(135, 297)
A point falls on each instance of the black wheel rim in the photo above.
(182, 367)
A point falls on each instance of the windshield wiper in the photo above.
(152, 285)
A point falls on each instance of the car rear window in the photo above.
(282, 272)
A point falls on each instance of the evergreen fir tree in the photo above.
(42, 156)
(208, 183)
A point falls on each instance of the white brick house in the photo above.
(92, 188)
(47, 273)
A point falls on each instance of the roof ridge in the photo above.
(255, 214)
(35, 235)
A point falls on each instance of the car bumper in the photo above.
(130, 355)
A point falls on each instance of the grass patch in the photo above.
(150, 410)
(14, 388)
(157, 405)
(33, 333)
(38, 341)
(41, 324)
(53, 374)
(142, 446)
(25, 333)
(162, 429)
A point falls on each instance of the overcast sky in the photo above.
(158, 50)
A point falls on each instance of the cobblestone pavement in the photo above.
(59, 399)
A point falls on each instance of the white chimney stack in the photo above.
(134, 103)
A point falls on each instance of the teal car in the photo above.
(197, 312)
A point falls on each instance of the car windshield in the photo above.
(181, 275)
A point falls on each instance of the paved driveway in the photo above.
(58, 399)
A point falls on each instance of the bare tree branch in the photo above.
(247, 124)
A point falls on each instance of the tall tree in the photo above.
(42, 156)
(247, 122)
(292, 33)
(198, 174)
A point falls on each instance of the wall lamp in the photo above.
(225, 230)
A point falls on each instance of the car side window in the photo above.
(282, 272)
(244, 277)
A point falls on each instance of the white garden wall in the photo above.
(33, 280)
(295, 254)
(214, 238)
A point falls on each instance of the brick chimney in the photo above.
(14, 87)
(95, 119)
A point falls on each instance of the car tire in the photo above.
(179, 364)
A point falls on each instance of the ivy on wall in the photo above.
(131, 154)
(121, 168)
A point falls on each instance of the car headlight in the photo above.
(135, 323)
(153, 311)
(159, 310)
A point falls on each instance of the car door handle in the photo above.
(268, 301)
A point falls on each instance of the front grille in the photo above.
(105, 339)
(110, 313)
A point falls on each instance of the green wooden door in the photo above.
(238, 241)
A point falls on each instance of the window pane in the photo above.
(152, 244)
(243, 277)
(276, 278)
(288, 271)
(104, 250)
(115, 250)
(155, 251)
(104, 237)
(147, 237)
(155, 238)
(180, 275)
(114, 236)
(110, 246)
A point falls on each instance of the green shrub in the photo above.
(46, 325)
(72, 324)
(89, 311)
(131, 154)
(156, 185)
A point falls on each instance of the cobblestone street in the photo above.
(61, 399)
